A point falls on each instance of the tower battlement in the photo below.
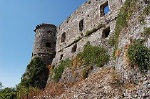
(44, 25)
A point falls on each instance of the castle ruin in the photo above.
(68, 39)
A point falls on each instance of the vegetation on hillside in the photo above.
(94, 55)
(139, 55)
(8, 93)
(36, 74)
(60, 68)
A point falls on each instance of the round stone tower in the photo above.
(45, 42)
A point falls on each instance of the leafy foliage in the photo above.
(59, 70)
(146, 11)
(8, 93)
(139, 55)
(36, 74)
(94, 55)
(146, 31)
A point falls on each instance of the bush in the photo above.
(139, 55)
(146, 11)
(8, 93)
(146, 31)
(94, 55)
(36, 74)
(59, 70)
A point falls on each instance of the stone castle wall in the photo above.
(71, 33)
(68, 39)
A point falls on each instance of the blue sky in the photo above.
(18, 18)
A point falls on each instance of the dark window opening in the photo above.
(32, 54)
(81, 26)
(104, 9)
(61, 56)
(89, 2)
(49, 31)
(63, 37)
(146, 1)
(74, 48)
(106, 32)
(48, 44)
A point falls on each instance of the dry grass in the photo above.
(129, 86)
(125, 57)
(50, 68)
(76, 63)
(117, 52)
(54, 89)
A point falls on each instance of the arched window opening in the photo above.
(81, 26)
(74, 48)
(48, 44)
(104, 9)
(61, 56)
(106, 32)
(63, 37)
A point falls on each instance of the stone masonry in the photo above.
(45, 42)
(71, 35)
(69, 38)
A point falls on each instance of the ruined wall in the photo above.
(45, 42)
(71, 35)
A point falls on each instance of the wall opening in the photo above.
(81, 26)
(63, 37)
(104, 9)
(61, 56)
(48, 44)
(49, 31)
(106, 32)
(146, 1)
(74, 48)
(89, 2)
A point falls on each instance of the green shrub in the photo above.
(94, 55)
(8, 93)
(139, 55)
(60, 68)
(36, 74)
(146, 11)
(111, 41)
(146, 31)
